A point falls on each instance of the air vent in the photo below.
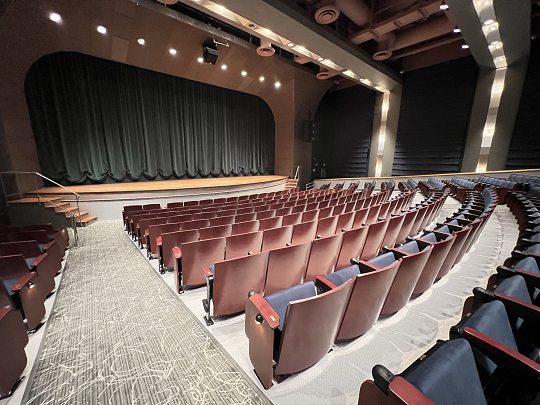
(265, 49)
(323, 74)
(382, 55)
(327, 14)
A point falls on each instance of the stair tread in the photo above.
(80, 214)
(87, 219)
(68, 209)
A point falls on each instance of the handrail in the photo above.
(45, 177)
(296, 174)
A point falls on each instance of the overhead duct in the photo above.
(167, 2)
(356, 10)
(384, 49)
(327, 12)
(325, 74)
(265, 49)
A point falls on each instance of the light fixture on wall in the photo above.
(223, 67)
(443, 6)
(489, 21)
(101, 29)
(55, 17)
(141, 41)
(261, 79)
(465, 46)
(457, 30)
(277, 85)
(200, 59)
(172, 51)
(244, 73)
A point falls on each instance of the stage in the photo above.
(106, 200)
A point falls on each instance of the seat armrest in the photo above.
(146, 232)
(441, 235)
(207, 272)
(265, 310)
(403, 391)
(511, 361)
(324, 284)
(177, 252)
(530, 278)
(366, 267)
(530, 313)
(24, 280)
(38, 260)
(159, 241)
(48, 245)
(4, 312)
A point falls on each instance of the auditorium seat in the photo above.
(338, 209)
(269, 223)
(245, 227)
(215, 232)
(142, 228)
(191, 257)
(229, 282)
(288, 321)
(352, 246)
(277, 238)
(23, 287)
(345, 221)
(327, 226)
(286, 267)
(375, 237)
(60, 235)
(13, 340)
(243, 244)
(292, 219)
(408, 222)
(304, 232)
(298, 208)
(245, 210)
(195, 224)
(453, 256)
(47, 245)
(283, 211)
(155, 231)
(372, 281)
(395, 222)
(414, 255)
(323, 257)
(266, 214)
(168, 241)
(179, 218)
(151, 207)
(308, 216)
(224, 220)
(251, 216)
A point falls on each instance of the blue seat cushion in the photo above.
(534, 249)
(9, 282)
(211, 268)
(383, 261)
(279, 301)
(410, 247)
(492, 320)
(536, 237)
(342, 276)
(454, 222)
(528, 264)
(29, 261)
(444, 229)
(515, 287)
(449, 376)
(429, 237)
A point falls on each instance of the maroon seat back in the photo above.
(262, 207)
(327, 226)
(266, 214)
(232, 199)
(286, 267)
(227, 213)
(39, 227)
(360, 217)
(366, 301)
(299, 208)
(407, 276)
(252, 216)
(179, 204)
(394, 225)
(277, 237)
(374, 240)
(433, 265)
(312, 206)
(154, 231)
(284, 211)
(195, 224)
(339, 209)
(235, 278)
(40, 237)
(151, 207)
(308, 216)
(405, 229)
(323, 257)
(384, 208)
(195, 256)
(245, 227)
(415, 228)
(212, 232)
(170, 240)
(345, 221)
(304, 232)
(242, 244)
(373, 214)
(270, 223)
(204, 215)
(324, 203)
(325, 212)
(292, 219)
(352, 246)
(130, 208)
(297, 349)
(180, 218)
(145, 223)
(222, 220)
(456, 252)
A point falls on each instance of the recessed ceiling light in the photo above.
(277, 85)
(55, 17)
(223, 67)
(489, 22)
(244, 73)
(290, 44)
(495, 43)
(401, 71)
(172, 51)
(261, 79)
(320, 59)
(465, 46)
(141, 41)
(456, 30)
(444, 7)
(499, 58)
(101, 29)
(200, 59)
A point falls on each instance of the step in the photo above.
(51, 202)
(61, 206)
(80, 215)
(67, 211)
(86, 221)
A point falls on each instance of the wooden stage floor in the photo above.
(165, 185)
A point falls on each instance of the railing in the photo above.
(19, 194)
(297, 174)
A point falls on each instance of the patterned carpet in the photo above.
(119, 335)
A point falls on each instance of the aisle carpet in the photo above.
(119, 335)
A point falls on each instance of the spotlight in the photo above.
(244, 73)
(55, 17)
(320, 59)
(141, 41)
(444, 7)
(290, 44)
(261, 79)
(465, 46)
(101, 29)
(172, 51)
(223, 67)
(457, 30)
(200, 59)
(489, 22)
(277, 85)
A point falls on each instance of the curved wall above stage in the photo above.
(99, 121)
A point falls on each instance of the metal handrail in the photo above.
(72, 216)
(297, 171)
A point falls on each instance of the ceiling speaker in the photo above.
(265, 49)
(210, 53)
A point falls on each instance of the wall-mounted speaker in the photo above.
(311, 131)
(210, 52)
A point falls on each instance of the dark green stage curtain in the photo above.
(100, 121)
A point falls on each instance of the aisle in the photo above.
(119, 335)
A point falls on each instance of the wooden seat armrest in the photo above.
(531, 278)
(177, 252)
(159, 241)
(4, 312)
(24, 280)
(265, 310)
(48, 245)
(404, 392)
(529, 312)
(207, 272)
(324, 284)
(146, 233)
(511, 361)
(38, 260)
(366, 267)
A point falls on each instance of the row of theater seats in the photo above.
(430, 185)
(407, 186)
(493, 355)
(30, 258)
(353, 186)
(344, 304)
(519, 178)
